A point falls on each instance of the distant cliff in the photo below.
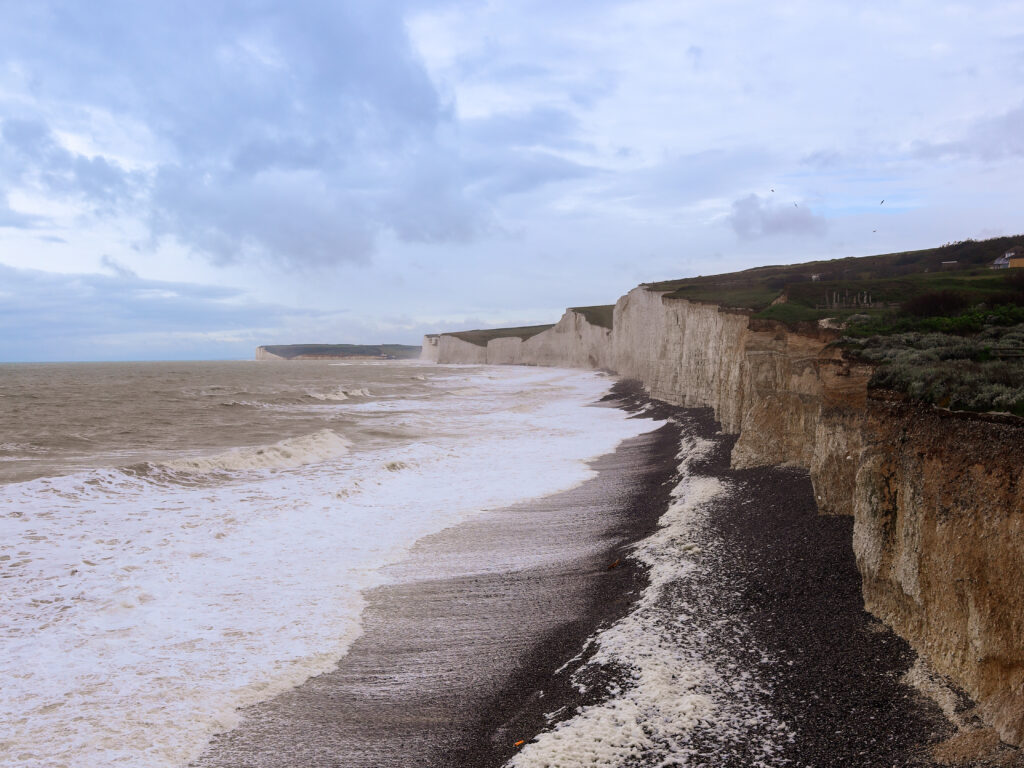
(335, 351)
(937, 497)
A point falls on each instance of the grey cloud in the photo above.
(62, 317)
(754, 217)
(119, 269)
(990, 139)
(517, 172)
(297, 217)
(30, 154)
(547, 126)
(688, 178)
(14, 219)
(291, 131)
(822, 159)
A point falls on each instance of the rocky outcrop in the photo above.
(937, 498)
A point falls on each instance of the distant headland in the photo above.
(337, 351)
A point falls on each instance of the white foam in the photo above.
(672, 687)
(139, 615)
(340, 395)
(295, 452)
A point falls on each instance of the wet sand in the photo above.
(458, 654)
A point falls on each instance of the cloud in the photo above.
(14, 219)
(117, 267)
(31, 156)
(754, 217)
(49, 316)
(991, 138)
(286, 136)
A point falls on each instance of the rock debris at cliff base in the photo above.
(750, 647)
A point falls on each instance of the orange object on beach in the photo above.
(519, 743)
(614, 565)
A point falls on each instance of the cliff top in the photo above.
(854, 285)
(597, 315)
(482, 336)
(292, 351)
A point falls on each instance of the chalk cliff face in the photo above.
(571, 343)
(430, 349)
(454, 350)
(937, 498)
(262, 353)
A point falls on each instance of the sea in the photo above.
(180, 540)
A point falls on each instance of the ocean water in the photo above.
(178, 540)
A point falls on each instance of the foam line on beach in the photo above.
(664, 678)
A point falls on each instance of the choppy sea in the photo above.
(178, 540)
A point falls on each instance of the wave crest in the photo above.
(285, 454)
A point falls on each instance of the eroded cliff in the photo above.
(937, 498)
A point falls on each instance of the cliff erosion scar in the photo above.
(936, 496)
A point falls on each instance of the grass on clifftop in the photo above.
(481, 337)
(599, 315)
(291, 351)
(818, 289)
(961, 347)
(939, 324)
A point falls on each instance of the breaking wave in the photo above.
(287, 454)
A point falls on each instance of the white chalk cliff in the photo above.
(937, 498)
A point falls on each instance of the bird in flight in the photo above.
(882, 202)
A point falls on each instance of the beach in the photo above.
(458, 657)
(731, 635)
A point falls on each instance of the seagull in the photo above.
(773, 189)
(882, 202)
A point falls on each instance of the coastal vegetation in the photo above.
(482, 336)
(316, 351)
(598, 315)
(939, 325)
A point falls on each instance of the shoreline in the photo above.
(498, 656)
(453, 658)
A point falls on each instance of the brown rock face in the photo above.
(939, 538)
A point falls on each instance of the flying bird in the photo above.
(882, 202)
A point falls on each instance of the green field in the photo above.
(481, 337)
(818, 289)
(939, 325)
(599, 315)
(396, 351)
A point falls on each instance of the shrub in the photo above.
(935, 304)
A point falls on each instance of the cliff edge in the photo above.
(937, 497)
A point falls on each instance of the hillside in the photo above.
(326, 351)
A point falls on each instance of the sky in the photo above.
(189, 180)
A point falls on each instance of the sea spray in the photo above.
(143, 608)
(674, 693)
